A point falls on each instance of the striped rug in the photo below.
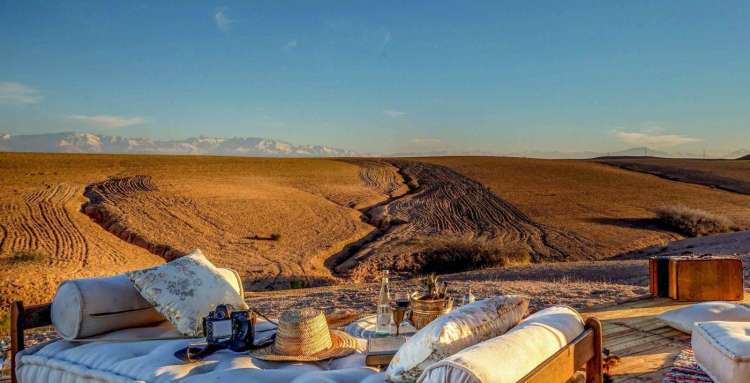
(686, 370)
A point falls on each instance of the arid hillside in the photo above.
(306, 222)
(448, 222)
(611, 207)
(274, 220)
(732, 175)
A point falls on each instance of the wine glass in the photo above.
(401, 300)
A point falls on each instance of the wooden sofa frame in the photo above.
(584, 353)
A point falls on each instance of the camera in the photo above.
(233, 329)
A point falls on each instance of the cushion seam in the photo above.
(720, 346)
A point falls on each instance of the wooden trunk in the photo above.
(691, 278)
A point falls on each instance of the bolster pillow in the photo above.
(509, 357)
(87, 307)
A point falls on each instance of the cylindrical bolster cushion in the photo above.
(509, 357)
(87, 307)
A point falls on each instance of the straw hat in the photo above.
(303, 336)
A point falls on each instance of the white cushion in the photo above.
(722, 349)
(154, 362)
(510, 357)
(684, 318)
(452, 332)
(186, 289)
(87, 307)
(83, 308)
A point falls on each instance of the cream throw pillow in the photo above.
(509, 357)
(186, 289)
(452, 332)
(684, 318)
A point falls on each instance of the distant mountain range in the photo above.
(633, 152)
(742, 154)
(70, 142)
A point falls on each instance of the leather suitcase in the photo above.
(697, 278)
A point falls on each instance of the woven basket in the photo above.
(424, 311)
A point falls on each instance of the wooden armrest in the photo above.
(24, 318)
(584, 350)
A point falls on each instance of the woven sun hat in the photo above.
(303, 336)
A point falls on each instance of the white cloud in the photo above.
(291, 44)
(394, 113)
(105, 121)
(222, 20)
(426, 141)
(653, 137)
(17, 93)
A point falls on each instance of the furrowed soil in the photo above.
(731, 175)
(610, 207)
(296, 223)
(274, 220)
(442, 203)
(285, 223)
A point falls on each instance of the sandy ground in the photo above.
(443, 204)
(732, 175)
(227, 206)
(288, 222)
(612, 207)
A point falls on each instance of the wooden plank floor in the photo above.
(646, 345)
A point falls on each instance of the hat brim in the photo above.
(343, 345)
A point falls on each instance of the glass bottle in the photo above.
(383, 321)
(468, 297)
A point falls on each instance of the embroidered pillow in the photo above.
(186, 289)
(452, 332)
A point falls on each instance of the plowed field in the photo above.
(274, 220)
(611, 208)
(445, 204)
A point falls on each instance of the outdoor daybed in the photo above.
(153, 361)
(130, 327)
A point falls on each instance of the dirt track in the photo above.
(443, 203)
(45, 224)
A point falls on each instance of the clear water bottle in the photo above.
(383, 322)
(468, 298)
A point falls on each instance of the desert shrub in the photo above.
(275, 236)
(461, 254)
(297, 284)
(693, 222)
(23, 257)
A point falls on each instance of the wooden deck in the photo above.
(646, 345)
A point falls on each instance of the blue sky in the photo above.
(385, 76)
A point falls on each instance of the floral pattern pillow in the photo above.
(186, 289)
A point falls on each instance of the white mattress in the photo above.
(154, 361)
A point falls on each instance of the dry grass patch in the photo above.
(451, 255)
(693, 222)
(26, 256)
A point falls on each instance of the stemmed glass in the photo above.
(401, 300)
